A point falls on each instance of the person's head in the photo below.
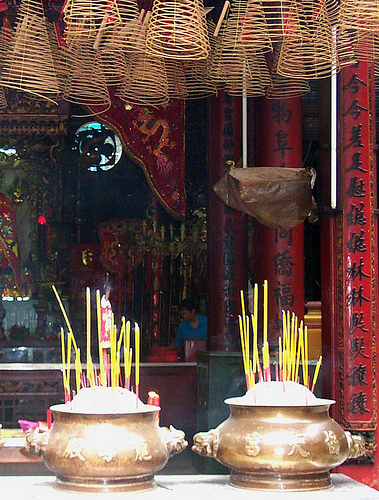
(187, 309)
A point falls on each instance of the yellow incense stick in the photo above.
(62, 308)
(137, 352)
(316, 373)
(78, 371)
(265, 311)
(88, 321)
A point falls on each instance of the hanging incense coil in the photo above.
(198, 81)
(282, 19)
(360, 16)
(29, 64)
(115, 66)
(176, 79)
(177, 30)
(130, 38)
(282, 87)
(346, 47)
(86, 84)
(247, 73)
(317, 51)
(366, 47)
(246, 24)
(147, 83)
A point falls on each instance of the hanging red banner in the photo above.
(154, 139)
(357, 274)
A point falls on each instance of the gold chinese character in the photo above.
(252, 446)
(332, 442)
(296, 446)
(74, 448)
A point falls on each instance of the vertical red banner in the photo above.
(357, 274)
(278, 254)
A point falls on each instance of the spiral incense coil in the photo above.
(316, 55)
(177, 30)
(147, 84)
(282, 87)
(282, 19)
(247, 25)
(247, 74)
(346, 47)
(359, 16)
(176, 79)
(86, 83)
(130, 38)
(198, 81)
(29, 64)
(366, 46)
(115, 66)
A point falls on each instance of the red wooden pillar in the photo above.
(355, 233)
(278, 255)
(226, 228)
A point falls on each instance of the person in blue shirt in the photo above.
(193, 326)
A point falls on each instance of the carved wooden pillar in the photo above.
(226, 229)
(278, 255)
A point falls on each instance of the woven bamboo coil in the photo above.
(29, 63)
(86, 84)
(177, 30)
(147, 84)
(283, 87)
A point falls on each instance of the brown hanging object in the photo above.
(280, 198)
(177, 30)
(29, 64)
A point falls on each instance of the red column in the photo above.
(226, 229)
(278, 255)
(356, 230)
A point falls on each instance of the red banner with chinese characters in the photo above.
(154, 138)
(358, 240)
(279, 254)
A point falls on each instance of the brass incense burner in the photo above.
(113, 452)
(279, 447)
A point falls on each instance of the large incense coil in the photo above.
(283, 87)
(89, 17)
(130, 38)
(198, 81)
(86, 82)
(29, 64)
(317, 51)
(246, 24)
(247, 74)
(366, 47)
(362, 15)
(115, 66)
(176, 79)
(346, 42)
(316, 55)
(282, 19)
(177, 30)
(147, 84)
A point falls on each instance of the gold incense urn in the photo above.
(111, 452)
(279, 447)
